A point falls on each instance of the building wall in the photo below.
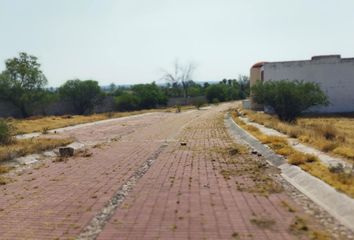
(334, 75)
(255, 75)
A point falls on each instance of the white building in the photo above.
(334, 74)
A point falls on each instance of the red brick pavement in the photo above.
(184, 196)
(59, 199)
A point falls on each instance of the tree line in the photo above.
(24, 85)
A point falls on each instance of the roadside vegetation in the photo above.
(19, 148)
(331, 134)
(81, 94)
(341, 180)
(10, 147)
(22, 83)
(141, 96)
(24, 86)
(289, 99)
(6, 131)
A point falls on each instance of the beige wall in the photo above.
(335, 76)
(255, 75)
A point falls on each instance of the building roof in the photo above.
(318, 57)
(258, 65)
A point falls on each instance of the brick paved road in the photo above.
(187, 193)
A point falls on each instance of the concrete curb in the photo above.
(337, 204)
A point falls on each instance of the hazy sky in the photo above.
(130, 41)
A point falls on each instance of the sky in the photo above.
(133, 41)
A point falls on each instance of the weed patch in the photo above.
(288, 206)
(4, 169)
(30, 146)
(226, 174)
(345, 151)
(6, 131)
(299, 226)
(257, 172)
(235, 149)
(339, 180)
(298, 158)
(4, 180)
(263, 222)
(334, 134)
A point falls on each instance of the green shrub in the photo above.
(150, 95)
(83, 95)
(289, 98)
(215, 101)
(127, 102)
(6, 131)
(216, 91)
(198, 103)
(178, 108)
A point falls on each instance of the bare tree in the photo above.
(181, 75)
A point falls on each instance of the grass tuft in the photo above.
(327, 131)
(4, 169)
(345, 151)
(263, 222)
(4, 180)
(30, 146)
(300, 227)
(298, 158)
(6, 131)
(288, 206)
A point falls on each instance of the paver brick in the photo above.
(59, 199)
(184, 196)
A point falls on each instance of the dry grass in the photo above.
(301, 227)
(298, 158)
(4, 169)
(263, 222)
(234, 149)
(43, 124)
(287, 206)
(330, 134)
(345, 151)
(341, 181)
(4, 180)
(29, 146)
(257, 172)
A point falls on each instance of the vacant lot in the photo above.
(333, 134)
(340, 180)
(42, 124)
